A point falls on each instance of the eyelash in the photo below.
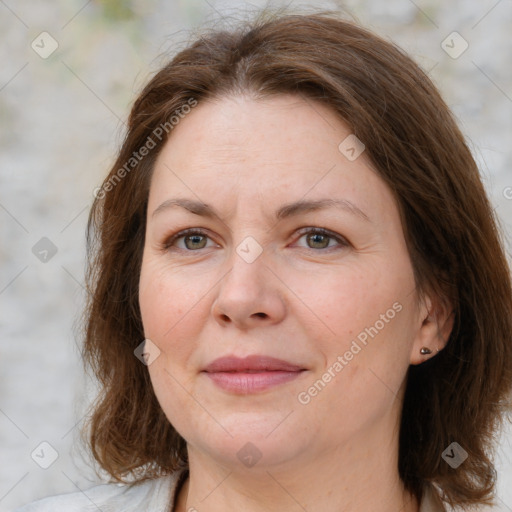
(167, 245)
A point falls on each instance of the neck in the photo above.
(361, 475)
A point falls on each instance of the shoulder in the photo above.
(432, 502)
(152, 495)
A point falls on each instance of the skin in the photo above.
(304, 299)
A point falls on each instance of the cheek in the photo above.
(168, 300)
(170, 321)
(368, 315)
(346, 299)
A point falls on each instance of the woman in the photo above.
(299, 297)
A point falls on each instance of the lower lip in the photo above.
(245, 383)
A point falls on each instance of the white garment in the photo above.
(151, 496)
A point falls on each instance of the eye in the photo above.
(194, 239)
(320, 238)
(191, 240)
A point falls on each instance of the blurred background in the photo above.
(69, 73)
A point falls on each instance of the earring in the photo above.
(425, 351)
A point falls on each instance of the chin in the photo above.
(255, 441)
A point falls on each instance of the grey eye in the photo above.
(318, 240)
(195, 241)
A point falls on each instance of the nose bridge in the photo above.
(248, 293)
(245, 278)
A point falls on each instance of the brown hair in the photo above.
(461, 394)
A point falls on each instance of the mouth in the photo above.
(251, 374)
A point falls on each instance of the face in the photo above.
(276, 284)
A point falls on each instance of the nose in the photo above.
(249, 295)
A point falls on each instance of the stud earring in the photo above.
(425, 351)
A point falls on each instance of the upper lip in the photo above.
(252, 363)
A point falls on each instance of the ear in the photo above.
(434, 326)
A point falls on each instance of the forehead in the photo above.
(262, 128)
(268, 149)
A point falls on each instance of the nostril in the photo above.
(261, 315)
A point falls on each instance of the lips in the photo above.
(251, 374)
(251, 364)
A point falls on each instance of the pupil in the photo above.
(195, 239)
(318, 239)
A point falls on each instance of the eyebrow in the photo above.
(285, 211)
